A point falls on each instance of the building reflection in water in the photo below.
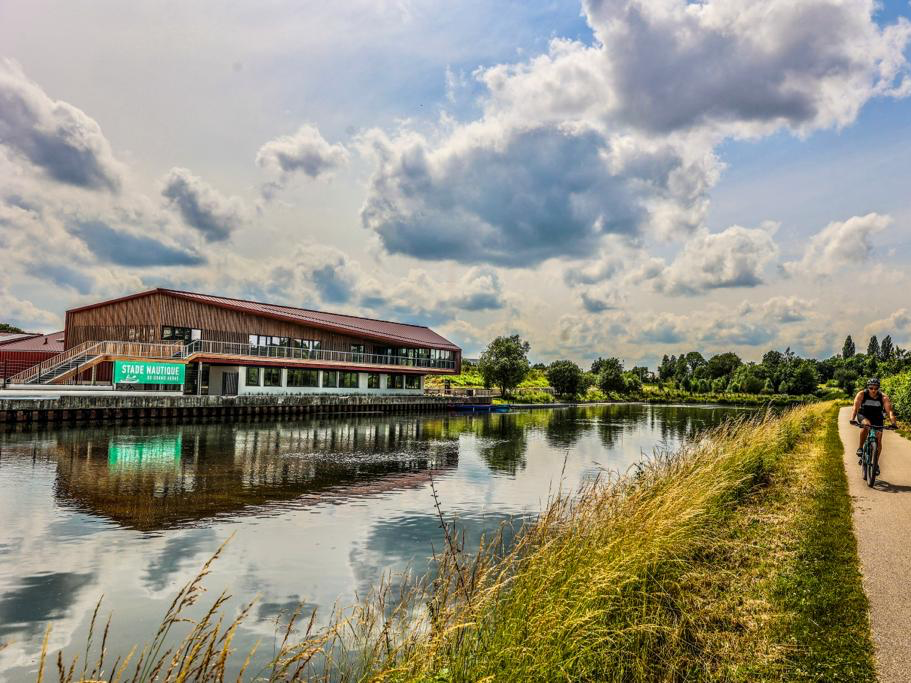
(156, 477)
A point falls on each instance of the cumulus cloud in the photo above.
(201, 206)
(747, 67)
(839, 246)
(734, 257)
(510, 198)
(306, 151)
(23, 313)
(602, 297)
(125, 248)
(619, 137)
(780, 309)
(54, 136)
(898, 324)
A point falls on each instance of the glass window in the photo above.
(358, 348)
(348, 380)
(412, 381)
(252, 377)
(254, 340)
(330, 378)
(396, 382)
(284, 341)
(272, 377)
(303, 378)
(171, 333)
(373, 380)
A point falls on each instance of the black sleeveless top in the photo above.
(872, 408)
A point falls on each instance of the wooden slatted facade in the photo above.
(142, 317)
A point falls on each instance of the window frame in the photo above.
(259, 376)
(304, 372)
(345, 377)
(267, 371)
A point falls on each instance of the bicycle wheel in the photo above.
(871, 468)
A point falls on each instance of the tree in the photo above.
(873, 347)
(632, 383)
(694, 360)
(847, 349)
(886, 348)
(610, 377)
(505, 363)
(539, 366)
(666, 369)
(847, 379)
(746, 379)
(723, 365)
(565, 377)
(642, 373)
(6, 327)
(801, 378)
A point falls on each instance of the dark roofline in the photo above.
(289, 318)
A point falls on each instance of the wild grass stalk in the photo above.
(595, 589)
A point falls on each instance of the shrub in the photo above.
(524, 396)
(898, 388)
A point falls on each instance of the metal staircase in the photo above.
(67, 365)
(71, 365)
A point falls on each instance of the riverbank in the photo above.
(730, 560)
(16, 408)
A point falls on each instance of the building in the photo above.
(19, 352)
(204, 344)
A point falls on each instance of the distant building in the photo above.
(233, 346)
(19, 352)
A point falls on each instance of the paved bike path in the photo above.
(882, 522)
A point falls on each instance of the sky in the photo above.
(617, 177)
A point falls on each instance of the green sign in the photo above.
(139, 372)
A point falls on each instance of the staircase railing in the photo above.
(92, 350)
(34, 372)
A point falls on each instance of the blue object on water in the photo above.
(482, 408)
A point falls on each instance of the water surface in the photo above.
(320, 509)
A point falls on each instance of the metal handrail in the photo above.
(94, 349)
(36, 371)
(237, 349)
(178, 350)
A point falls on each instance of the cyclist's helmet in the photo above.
(873, 382)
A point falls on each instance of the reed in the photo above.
(598, 588)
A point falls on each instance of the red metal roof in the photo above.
(52, 343)
(10, 337)
(384, 330)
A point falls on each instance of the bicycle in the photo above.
(869, 461)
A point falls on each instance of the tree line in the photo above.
(504, 364)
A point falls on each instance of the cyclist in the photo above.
(871, 405)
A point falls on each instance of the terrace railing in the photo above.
(201, 346)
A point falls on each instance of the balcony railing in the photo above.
(202, 346)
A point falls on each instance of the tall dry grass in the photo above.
(595, 590)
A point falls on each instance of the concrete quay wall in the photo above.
(76, 408)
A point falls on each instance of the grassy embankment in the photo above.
(731, 560)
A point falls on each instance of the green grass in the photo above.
(729, 560)
(821, 588)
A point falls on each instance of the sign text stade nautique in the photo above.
(135, 372)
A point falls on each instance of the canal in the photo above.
(320, 509)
